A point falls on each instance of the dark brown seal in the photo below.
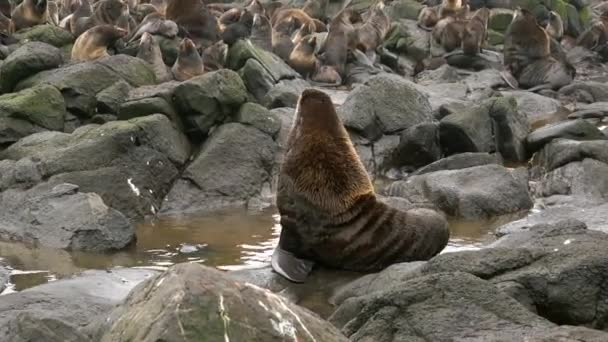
(195, 19)
(93, 44)
(329, 212)
(29, 13)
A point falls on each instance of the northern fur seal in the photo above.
(29, 13)
(475, 32)
(302, 59)
(261, 32)
(93, 44)
(188, 63)
(149, 51)
(329, 212)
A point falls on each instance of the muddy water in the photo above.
(230, 240)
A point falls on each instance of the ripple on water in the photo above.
(229, 240)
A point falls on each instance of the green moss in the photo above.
(500, 19)
(404, 9)
(584, 16)
(42, 105)
(495, 38)
(49, 34)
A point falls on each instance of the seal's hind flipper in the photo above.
(289, 266)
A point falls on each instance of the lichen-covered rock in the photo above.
(243, 50)
(406, 37)
(256, 78)
(49, 34)
(206, 100)
(383, 105)
(259, 117)
(191, 302)
(130, 164)
(30, 111)
(80, 83)
(26, 61)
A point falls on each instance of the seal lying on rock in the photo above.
(329, 212)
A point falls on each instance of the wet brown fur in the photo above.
(329, 211)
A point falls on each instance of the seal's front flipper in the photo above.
(290, 266)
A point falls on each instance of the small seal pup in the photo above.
(188, 63)
(149, 51)
(93, 44)
(329, 212)
(29, 13)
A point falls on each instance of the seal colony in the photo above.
(329, 212)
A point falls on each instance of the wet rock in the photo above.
(256, 78)
(587, 179)
(511, 128)
(460, 161)
(284, 94)
(26, 61)
(259, 117)
(418, 145)
(216, 308)
(410, 312)
(62, 217)
(206, 100)
(234, 165)
(147, 106)
(574, 130)
(386, 104)
(55, 312)
(588, 92)
(30, 111)
(560, 152)
(473, 193)
(110, 99)
(80, 83)
(4, 277)
(50, 34)
(467, 131)
(243, 50)
(130, 164)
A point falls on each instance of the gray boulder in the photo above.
(234, 165)
(130, 164)
(30, 111)
(62, 217)
(386, 104)
(243, 50)
(587, 92)
(537, 108)
(206, 100)
(49, 34)
(110, 99)
(438, 307)
(255, 115)
(418, 145)
(574, 130)
(284, 94)
(55, 312)
(80, 83)
(590, 111)
(587, 179)
(190, 302)
(560, 152)
(511, 128)
(469, 130)
(4, 278)
(256, 78)
(26, 61)
(460, 161)
(473, 193)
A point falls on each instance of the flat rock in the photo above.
(587, 92)
(574, 130)
(460, 161)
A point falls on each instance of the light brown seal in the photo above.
(188, 63)
(475, 32)
(329, 212)
(93, 44)
(149, 51)
(302, 59)
(29, 13)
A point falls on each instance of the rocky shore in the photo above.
(88, 150)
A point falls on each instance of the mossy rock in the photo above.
(495, 38)
(500, 19)
(406, 37)
(243, 50)
(42, 105)
(558, 6)
(49, 34)
(584, 16)
(404, 9)
(169, 48)
(574, 26)
(26, 61)
(258, 116)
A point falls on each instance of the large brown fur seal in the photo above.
(93, 44)
(329, 211)
(29, 13)
(189, 63)
(107, 12)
